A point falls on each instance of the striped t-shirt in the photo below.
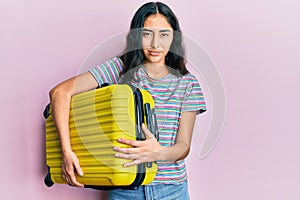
(172, 95)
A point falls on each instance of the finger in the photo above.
(132, 143)
(147, 132)
(64, 177)
(126, 150)
(127, 156)
(78, 168)
(74, 181)
(68, 180)
(134, 162)
(71, 178)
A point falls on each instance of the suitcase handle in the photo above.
(151, 120)
(151, 124)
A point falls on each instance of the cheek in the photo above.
(166, 43)
(146, 43)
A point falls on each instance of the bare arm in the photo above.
(182, 145)
(60, 97)
(150, 149)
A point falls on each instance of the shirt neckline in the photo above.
(155, 79)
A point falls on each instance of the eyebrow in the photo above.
(163, 30)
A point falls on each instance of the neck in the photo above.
(156, 70)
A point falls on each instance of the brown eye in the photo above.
(164, 35)
(147, 34)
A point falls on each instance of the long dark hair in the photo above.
(133, 55)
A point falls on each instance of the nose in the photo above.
(155, 42)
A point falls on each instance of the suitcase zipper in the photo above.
(138, 100)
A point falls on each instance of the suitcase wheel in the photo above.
(47, 180)
(46, 111)
(104, 85)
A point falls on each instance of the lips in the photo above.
(154, 53)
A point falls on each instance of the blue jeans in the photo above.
(152, 192)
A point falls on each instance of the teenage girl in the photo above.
(154, 60)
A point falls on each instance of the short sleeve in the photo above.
(108, 72)
(194, 98)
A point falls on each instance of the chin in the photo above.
(152, 59)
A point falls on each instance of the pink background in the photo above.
(255, 45)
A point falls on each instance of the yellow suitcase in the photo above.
(97, 119)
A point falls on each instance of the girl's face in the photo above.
(157, 36)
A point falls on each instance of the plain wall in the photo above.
(254, 44)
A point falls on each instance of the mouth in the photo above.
(154, 53)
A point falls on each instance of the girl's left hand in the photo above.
(141, 151)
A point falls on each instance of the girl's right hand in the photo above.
(70, 164)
